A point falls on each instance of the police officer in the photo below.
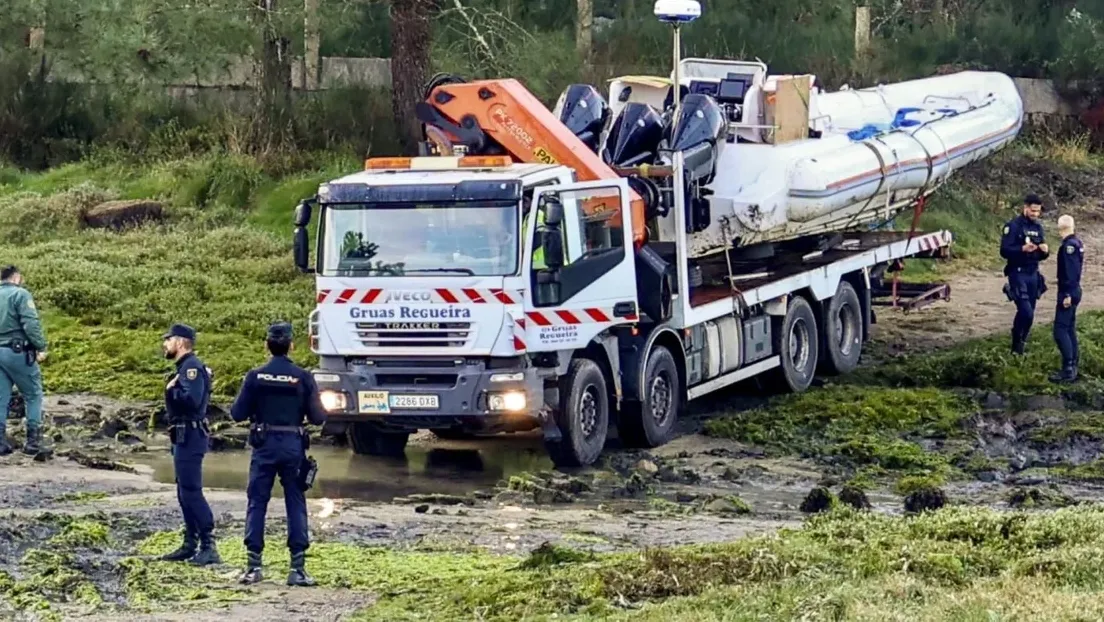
(276, 397)
(1071, 255)
(22, 348)
(186, 398)
(1023, 246)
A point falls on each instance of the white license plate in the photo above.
(419, 402)
(373, 403)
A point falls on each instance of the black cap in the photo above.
(1033, 199)
(279, 331)
(180, 330)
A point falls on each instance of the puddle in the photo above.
(345, 475)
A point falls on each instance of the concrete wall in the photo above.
(1041, 98)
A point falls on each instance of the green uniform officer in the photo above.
(22, 348)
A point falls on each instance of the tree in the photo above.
(410, 65)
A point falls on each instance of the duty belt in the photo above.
(264, 427)
(189, 424)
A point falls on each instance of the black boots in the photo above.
(1067, 374)
(186, 550)
(207, 554)
(1019, 345)
(298, 576)
(34, 445)
(253, 573)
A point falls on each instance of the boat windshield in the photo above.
(473, 239)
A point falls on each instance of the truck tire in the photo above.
(651, 421)
(583, 416)
(796, 342)
(370, 439)
(841, 339)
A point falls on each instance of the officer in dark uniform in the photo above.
(186, 398)
(1023, 246)
(276, 398)
(1071, 256)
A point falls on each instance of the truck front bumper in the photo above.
(431, 395)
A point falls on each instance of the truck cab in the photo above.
(444, 304)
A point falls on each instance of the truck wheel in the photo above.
(796, 342)
(369, 439)
(651, 422)
(583, 416)
(841, 341)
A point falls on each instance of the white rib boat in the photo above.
(875, 150)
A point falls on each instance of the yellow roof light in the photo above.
(437, 163)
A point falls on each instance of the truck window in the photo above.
(593, 239)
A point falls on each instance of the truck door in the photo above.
(595, 288)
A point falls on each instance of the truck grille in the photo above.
(413, 334)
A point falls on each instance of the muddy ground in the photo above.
(496, 494)
(492, 494)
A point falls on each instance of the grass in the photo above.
(221, 261)
(854, 426)
(956, 563)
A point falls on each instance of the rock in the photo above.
(63, 420)
(95, 462)
(43, 456)
(854, 497)
(118, 215)
(993, 401)
(63, 402)
(731, 505)
(217, 413)
(925, 499)
(111, 426)
(439, 499)
(681, 476)
(647, 466)
(127, 438)
(819, 499)
(16, 408)
(1018, 462)
(421, 509)
(440, 512)
(1044, 402)
(990, 476)
(685, 497)
(226, 442)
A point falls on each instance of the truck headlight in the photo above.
(511, 401)
(332, 401)
(514, 377)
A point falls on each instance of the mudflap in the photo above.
(548, 425)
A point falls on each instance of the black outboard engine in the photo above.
(584, 112)
(634, 136)
(699, 132)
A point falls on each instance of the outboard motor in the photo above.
(634, 136)
(699, 133)
(585, 112)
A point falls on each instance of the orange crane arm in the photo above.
(517, 121)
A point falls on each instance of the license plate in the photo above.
(419, 402)
(373, 402)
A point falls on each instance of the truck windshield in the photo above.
(474, 239)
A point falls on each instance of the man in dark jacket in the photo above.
(186, 398)
(1023, 246)
(276, 398)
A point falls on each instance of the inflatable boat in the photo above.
(793, 161)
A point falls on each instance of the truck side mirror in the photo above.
(552, 242)
(302, 249)
(553, 213)
(302, 214)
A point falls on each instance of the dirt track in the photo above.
(979, 308)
